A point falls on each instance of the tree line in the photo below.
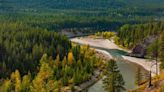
(21, 47)
(34, 59)
(131, 35)
(53, 74)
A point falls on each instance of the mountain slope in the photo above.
(77, 4)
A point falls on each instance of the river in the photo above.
(127, 69)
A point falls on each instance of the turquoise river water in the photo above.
(127, 69)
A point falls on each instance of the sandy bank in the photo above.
(107, 44)
(105, 53)
(103, 43)
(145, 63)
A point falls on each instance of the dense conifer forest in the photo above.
(60, 14)
(36, 57)
(131, 35)
(150, 35)
(40, 60)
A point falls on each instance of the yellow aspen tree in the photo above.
(70, 58)
(6, 87)
(43, 76)
(26, 82)
(17, 81)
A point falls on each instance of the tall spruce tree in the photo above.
(113, 82)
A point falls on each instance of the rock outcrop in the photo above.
(140, 50)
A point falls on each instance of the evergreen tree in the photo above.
(76, 52)
(57, 61)
(64, 62)
(113, 82)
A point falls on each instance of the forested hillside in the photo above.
(146, 40)
(21, 48)
(36, 57)
(35, 60)
(80, 4)
(89, 14)
(131, 35)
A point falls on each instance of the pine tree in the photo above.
(64, 62)
(57, 61)
(76, 52)
(113, 82)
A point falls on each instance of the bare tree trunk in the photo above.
(150, 79)
(156, 65)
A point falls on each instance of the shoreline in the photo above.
(145, 63)
(105, 54)
(97, 75)
(107, 44)
(100, 42)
